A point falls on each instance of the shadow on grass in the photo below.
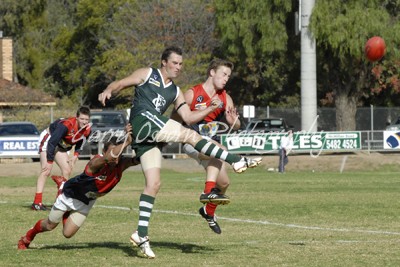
(45, 212)
(130, 250)
(185, 248)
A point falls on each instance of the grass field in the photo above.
(294, 219)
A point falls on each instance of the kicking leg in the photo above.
(175, 132)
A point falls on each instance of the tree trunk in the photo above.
(346, 107)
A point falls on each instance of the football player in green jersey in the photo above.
(155, 91)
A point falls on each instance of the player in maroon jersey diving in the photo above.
(78, 194)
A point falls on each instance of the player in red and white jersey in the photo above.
(78, 195)
(200, 97)
(54, 143)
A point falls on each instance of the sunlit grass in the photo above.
(295, 219)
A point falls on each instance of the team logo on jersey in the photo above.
(154, 81)
(200, 106)
(200, 98)
(159, 102)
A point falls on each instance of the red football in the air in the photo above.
(375, 48)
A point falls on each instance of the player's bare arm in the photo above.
(189, 96)
(113, 153)
(231, 114)
(136, 78)
(128, 162)
(191, 117)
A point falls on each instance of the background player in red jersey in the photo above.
(78, 195)
(200, 97)
(54, 144)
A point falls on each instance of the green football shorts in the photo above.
(145, 127)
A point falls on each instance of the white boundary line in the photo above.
(343, 164)
(264, 222)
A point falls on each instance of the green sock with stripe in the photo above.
(212, 150)
(146, 203)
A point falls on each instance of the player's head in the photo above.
(170, 50)
(171, 61)
(83, 110)
(111, 141)
(216, 63)
(83, 115)
(109, 144)
(219, 70)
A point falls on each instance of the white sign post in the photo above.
(248, 111)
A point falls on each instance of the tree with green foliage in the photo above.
(346, 79)
(75, 48)
(259, 37)
(34, 26)
(30, 16)
(139, 32)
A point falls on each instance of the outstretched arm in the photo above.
(113, 155)
(136, 78)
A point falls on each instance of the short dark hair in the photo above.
(169, 50)
(217, 62)
(83, 110)
(111, 141)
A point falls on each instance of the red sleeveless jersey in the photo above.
(202, 100)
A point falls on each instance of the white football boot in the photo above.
(245, 163)
(143, 243)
